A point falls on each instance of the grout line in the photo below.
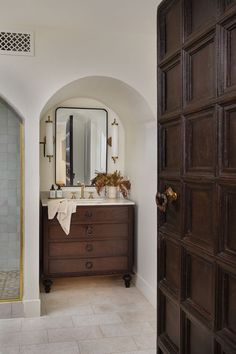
(93, 309)
(73, 324)
(47, 336)
(21, 324)
(103, 336)
(80, 350)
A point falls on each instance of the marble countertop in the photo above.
(95, 201)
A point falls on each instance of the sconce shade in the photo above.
(49, 138)
(115, 140)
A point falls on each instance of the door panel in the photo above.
(198, 18)
(197, 159)
(198, 339)
(170, 329)
(227, 140)
(170, 274)
(228, 227)
(199, 69)
(229, 55)
(199, 215)
(170, 136)
(171, 87)
(201, 139)
(199, 275)
(170, 23)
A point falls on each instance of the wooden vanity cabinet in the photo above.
(100, 242)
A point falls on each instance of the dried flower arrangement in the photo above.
(114, 179)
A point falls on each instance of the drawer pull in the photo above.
(88, 214)
(89, 265)
(89, 230)
(89, 247)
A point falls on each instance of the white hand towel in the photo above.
(64, 209)
(53, 206)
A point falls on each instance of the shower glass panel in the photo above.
(10, 204)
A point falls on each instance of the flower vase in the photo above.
(112, 192)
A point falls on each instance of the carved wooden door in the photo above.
(197, 159)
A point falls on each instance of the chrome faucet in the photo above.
(82, 187)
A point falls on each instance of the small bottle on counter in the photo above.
(52, 192)
(59, 192)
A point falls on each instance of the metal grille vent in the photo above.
(16, 43)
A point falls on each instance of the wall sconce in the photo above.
(48, 140)
(113, 141)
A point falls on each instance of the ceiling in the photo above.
(120, 15)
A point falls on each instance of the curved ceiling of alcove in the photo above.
(127, 102)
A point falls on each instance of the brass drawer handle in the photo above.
(88, 214)
(89, 247)
(162, 199)
(89, 265)
(89, 230)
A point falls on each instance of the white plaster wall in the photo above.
(141, 157)
(76, 39)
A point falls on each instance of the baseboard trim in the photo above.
(32, 308)
(145, 289)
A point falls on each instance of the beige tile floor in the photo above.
(94, 315)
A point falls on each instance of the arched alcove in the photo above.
(140, 152)
(127, 102)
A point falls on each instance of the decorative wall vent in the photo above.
(16, 43)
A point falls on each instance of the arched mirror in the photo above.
(81, 144)
(11, 207)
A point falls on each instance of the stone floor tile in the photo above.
(98, 319)
(10, 350)
(51, 348)
(138, 316)
(5, 310)
(153, 324)
(126, 329)
(17, 309)
(145, 341)
(107, 345)
(10, 325)
(72, 334)
(125, 307)
(23, 338)
(45, 322)
(68, 309)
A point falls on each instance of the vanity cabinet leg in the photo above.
(127, 279)
(47, 285)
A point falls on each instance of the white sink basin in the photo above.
(90, 201)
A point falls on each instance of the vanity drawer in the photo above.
(88, 231)
(55, 232)
(88, 249)
(89, 265)
(101, 214)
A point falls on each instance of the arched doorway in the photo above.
(139, 154)
(11, 202)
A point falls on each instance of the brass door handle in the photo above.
(162, 199)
